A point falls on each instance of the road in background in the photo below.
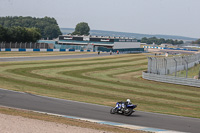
(74, 56)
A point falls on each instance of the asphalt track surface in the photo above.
(98, 112)
(59, 57)
(91, 111)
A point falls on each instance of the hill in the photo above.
(126, 34)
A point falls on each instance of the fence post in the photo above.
(156, 65)
(165, 62)
(149, 64)
(186, 68)
(175, 66)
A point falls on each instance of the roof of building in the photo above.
(90, 36)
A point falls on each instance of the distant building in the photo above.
(94, 42)
(166, 45)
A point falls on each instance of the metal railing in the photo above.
(162, 69)
(171, 79)
(170, 65)
(21, 45)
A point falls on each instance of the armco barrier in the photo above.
(170, 65)
(43, 50)
(171, 79)
(170, 48)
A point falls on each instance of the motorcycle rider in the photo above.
(128, 102)
(124, 104)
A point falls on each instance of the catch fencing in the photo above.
(170, 65)
(171, 79)
(167, 69)
(5, 45)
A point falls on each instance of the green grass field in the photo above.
(33, 54)
(103, 80)
(192, 72)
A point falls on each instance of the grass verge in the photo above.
(67, 121)
(34, 54)
(102, 80)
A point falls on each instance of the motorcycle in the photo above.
(121, 109)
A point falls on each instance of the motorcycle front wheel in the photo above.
(113, 111)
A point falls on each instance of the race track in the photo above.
(59, 57)
(91, 111)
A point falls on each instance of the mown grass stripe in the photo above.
(91, 78)
(78, 74)
(167, 97)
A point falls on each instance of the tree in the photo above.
(19, 34)
(82, 29)
(51, 31)
(48, 26)
(160, 41)
(196, 42)
(144, 40)
(2, 33)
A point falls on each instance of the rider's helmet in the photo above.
(128, 101)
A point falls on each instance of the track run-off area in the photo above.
(100, 80)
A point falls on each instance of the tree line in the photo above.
(160, 41)
(47, 26)
(196, 42)
(19, 34)
(82, 28)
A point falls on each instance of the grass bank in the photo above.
(67, 121)
(34, 54)
(102, 80)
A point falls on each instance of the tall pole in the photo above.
(150, 64)
(165, 66)
(175, 67)
(199, 74)
(186, 68)
(156, 65)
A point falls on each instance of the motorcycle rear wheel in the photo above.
(128, 112)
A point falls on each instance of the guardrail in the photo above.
(185, 49)
(170, 65)
(171, 79)
(42, 50)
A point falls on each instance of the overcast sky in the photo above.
(168, 17)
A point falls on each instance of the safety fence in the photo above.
(171, 79)
(185, 49)
(60, 50)
(170, 65)
(43, 45)
(43, 50)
